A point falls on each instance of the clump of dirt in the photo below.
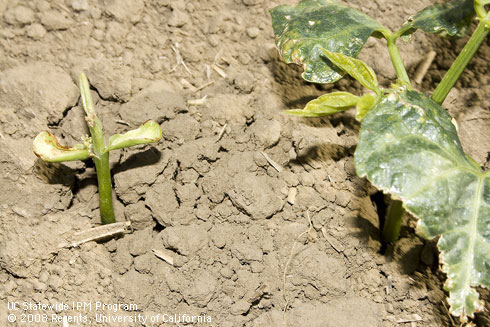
(226, 193)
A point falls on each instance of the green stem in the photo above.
(105, 189)
(99, 154)
(461, 61)
(393, 221)
(396, 59)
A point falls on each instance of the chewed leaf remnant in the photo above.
(47, 147)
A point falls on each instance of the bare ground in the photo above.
(206, 196)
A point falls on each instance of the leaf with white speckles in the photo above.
(451, 18)
(409, 147)
(302, 31)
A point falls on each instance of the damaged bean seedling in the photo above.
(408, 144)
(47, 147)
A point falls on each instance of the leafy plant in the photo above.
(47, 147)
(408, 144)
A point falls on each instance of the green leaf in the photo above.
(302, 31)
(47, 147)
(450, 18)
(409, 147)
(149, 132)
(365, 104)
(327, 104)
(356, 68)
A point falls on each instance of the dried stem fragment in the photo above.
(424, 67)
(222, 132)
(271, 162)
(97, 233)
(168, 258)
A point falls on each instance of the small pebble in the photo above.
(213, 40)
(23, 15)
(226, 272)
(253, 32)
(244, 58)
(256, 267)
(43, 6)
(79, 5)
(219, 242)
(96, 13)
(178, 18)
(55, 282)
(39, 286)
(252, 2)
(98, 35)
(240, 307)
(266, 132)
(244, 82)
(55, 20)
(9, 287)
(43, 276)
(260, 160)
(36, 31)
(389, 308)
(292, 192)
(105, 282)
(78, 280)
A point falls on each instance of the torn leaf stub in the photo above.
(149, 132)
(47, 147)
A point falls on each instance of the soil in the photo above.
(237, 229)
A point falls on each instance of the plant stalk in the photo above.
(105, 189)
(99, 154)
(396, 59)
(393, 222)
(479, 6)
(454, 72)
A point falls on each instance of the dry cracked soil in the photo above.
(243, 243)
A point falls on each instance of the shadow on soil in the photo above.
(323, 152)
(55, 173)
(139, 159)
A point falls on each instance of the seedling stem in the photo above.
(396, 59)
(393, 221)
(47, 148)
(100, 155)
(452, 75)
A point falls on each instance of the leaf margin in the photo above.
(458, 29)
